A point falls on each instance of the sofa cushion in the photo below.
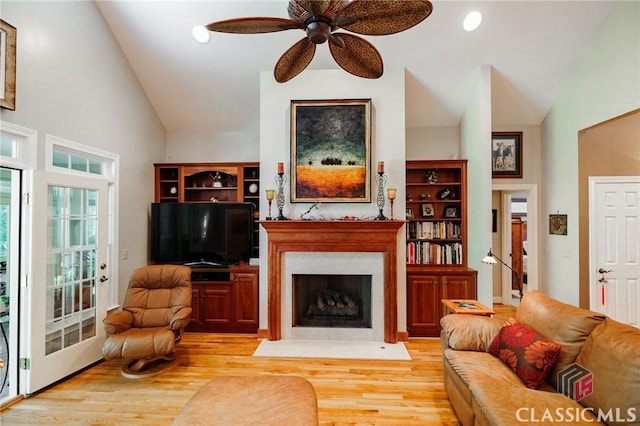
(469, 332)
(528, 354)
(520, 405)
(564, 324)
(481, 367)
(612, 355)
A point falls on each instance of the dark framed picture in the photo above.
(494, 220)
(506, 154)
(558, 224)
(8, 61)
(409, 213)
(427, 210)
(451, 212)
(331, 150)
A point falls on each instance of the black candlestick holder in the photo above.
(381, 180)
(281, 179)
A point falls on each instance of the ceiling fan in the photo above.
(321, 19)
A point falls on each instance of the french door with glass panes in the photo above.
(67, 288)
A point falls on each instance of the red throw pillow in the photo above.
(528, 354)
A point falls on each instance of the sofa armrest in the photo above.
(180, 318)
(117, 322)
(468, 332)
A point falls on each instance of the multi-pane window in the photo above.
(71, 266)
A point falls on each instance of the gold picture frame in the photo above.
(8, 34)
(331, 151)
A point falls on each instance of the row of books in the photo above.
(427, 253)
(433, 230)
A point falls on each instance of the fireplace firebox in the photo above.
(331, 301)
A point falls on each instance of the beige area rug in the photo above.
(296, 348)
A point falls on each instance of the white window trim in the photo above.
(27, 151)
(51, 142)
(111, 175)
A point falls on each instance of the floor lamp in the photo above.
(492, 259)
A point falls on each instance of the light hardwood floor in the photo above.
(350, 392)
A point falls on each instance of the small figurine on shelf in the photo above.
(431, 176)
(217, 180)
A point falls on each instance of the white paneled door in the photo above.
(67, 289)
(614, 231)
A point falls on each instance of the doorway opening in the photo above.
(516, 232)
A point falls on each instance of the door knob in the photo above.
(604, 271)
(103, 279)
(103, 265)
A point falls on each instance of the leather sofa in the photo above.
(604, 388)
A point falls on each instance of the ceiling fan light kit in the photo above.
(320, 19)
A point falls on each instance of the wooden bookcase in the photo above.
(225, 300)
(436, 235)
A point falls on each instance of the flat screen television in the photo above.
(201, 234)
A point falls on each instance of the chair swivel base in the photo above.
(148, 367)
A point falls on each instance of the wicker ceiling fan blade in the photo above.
(294, 60)
(381, 17)
(257, 25)
(357, 57)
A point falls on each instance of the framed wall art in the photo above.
(7, 65)
(331, 150)
(558, 224)
(506, 154)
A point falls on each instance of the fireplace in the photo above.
(331, 300)
(358, 247)
(346, 272)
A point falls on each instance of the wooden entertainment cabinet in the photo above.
(436, 242)
(225, 300)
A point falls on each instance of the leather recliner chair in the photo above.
(155, 311)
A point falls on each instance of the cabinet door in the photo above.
(195, 306)
(423, 305)
(246, 300)
(459, 287)
(216, 305)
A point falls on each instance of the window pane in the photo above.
(75, 202)
(8, 147)
(61, 159)
(95, 167)
(78, 163)
(57, 233)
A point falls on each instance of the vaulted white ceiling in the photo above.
(531, 45)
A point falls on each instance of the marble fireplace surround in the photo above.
(349, 236)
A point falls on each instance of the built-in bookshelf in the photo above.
(436, 212)
(436, 238)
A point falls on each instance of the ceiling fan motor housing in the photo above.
(318, 29)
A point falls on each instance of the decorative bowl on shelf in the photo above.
(253, 188)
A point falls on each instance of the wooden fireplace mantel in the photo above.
(332, 236)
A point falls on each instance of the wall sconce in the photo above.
(492, 259)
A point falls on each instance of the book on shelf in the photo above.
(429, 253)
(439, 230)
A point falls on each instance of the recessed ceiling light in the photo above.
(201, 34)
(472, 21)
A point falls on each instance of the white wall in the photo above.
(603, 85)
(388, 145)
(200, 147)
(73, 82)
(432, 143)
(475, 146)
